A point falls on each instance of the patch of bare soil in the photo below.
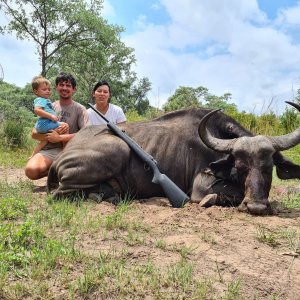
(224, 244)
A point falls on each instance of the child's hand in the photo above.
(54, 118)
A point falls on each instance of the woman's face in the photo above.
(102, 95)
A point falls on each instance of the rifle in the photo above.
(176, 196)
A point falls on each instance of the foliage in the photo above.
(185, 97)
(133, 116)
(297, 97)
(132, 96)
(16, 96)
(52, 24)
(15, 157)
(13, 133)
(216, 102)
(268, 124)
(13, 124)
(72, 36)
(105, 56)
(188, 97)
(248, 120)
(289, 120)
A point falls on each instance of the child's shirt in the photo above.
(45, 104)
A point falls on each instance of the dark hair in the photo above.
(65, 77)
(102, 82)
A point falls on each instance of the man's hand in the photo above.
(53, 136)
(62, 128)
(38, 136)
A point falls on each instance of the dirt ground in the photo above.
(260, 251)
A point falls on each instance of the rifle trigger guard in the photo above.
(146, 167)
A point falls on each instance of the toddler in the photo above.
(43, 109)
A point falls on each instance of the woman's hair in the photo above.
(102, 82)
(38, 80)
(65, 77)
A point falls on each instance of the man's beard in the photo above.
(65, 97)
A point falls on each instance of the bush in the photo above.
(14, 133)
(289, 120)
(133, 116)
(14, 122)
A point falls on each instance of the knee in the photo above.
(32, 173)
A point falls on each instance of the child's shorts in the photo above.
(44, 125)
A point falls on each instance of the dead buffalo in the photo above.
(216, 162)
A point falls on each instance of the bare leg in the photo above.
(38, 148)
(38, 166)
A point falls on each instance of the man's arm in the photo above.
(54, 137)
(61, 129)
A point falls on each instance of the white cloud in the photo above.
(18, 60)
(290, 16)
(108, 10)
(226, 46)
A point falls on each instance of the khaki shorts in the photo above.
(51, 153)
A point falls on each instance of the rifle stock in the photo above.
(175, 195)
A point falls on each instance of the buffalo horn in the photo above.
(287, 141)
(214, 143)
(297, 106)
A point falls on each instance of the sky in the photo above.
(249, 48)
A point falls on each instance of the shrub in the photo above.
(14, 133)
(13, 123)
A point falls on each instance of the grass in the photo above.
(48, 246)
(14, 157)
(42, 246)
(285, 238)
(266, 236)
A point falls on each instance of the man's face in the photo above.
(65, 89)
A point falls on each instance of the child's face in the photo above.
(44, 90)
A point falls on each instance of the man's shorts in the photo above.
(51, 153)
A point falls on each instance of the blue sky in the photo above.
(249, 48)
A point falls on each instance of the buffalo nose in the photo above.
(255, 208)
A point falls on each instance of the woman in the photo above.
(102, 94)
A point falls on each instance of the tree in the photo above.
(105, 56)
(133, 95)
(72, 36)
(185, 97)
(52, 25)
(18, 97)
(216, 102)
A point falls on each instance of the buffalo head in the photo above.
(252, 158)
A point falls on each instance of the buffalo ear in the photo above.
(285, 168)
(222, 167)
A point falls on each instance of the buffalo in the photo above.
(207, 154)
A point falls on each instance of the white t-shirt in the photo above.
(114, 114)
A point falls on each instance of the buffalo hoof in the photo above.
(209, 200)
(255, 208)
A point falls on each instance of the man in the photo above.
(68, 111)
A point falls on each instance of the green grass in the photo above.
(41, 247)
(48, 245)
(14, 157)
(278, 237)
